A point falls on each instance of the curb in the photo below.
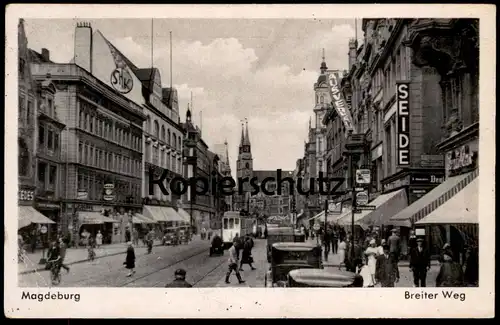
(42, 268)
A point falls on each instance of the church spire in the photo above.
(323, 67)
(242, 134)
(247, 137)
(188, 114)
(227, 155)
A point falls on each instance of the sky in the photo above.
(263, 70)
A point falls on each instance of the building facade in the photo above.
(198, 162)
(102, 142)
(225, 168)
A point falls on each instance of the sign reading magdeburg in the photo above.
(403, 123)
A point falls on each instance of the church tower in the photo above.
(244, 166)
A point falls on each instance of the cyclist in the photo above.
(54, 259)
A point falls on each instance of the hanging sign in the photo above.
(403, 122)
(338, 100)
(109, 192)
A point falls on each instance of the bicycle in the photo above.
(91, 254)
(55, 271)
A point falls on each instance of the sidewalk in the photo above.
(74, 256)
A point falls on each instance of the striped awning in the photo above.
(331, 217)
(155, 213)
(140, 219)
(29, 215)
(93, 218)
(172, 215)
(432, 200)
(382, 203)
(184, 215)
(462, 208)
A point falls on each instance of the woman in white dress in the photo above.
(371, 254)
(98, 239)
(364, 271)
(341, 251)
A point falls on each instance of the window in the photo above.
(41, 135)
(50, 106)
(86, 154)
(322, 99)
(42, 167)
(80, 152)
(236, 221)
(80, 120)
(162, 133)
(157, 129)
(52, 175)
(225, 223)
(231, 223)
(388, 150)
(23, 158)
(168, 138)
(174, 145)
(85, 121)
(50, 139)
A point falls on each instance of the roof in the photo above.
(36, 57)
(322, 78)
(146, 76)
(323, 277)
(294, 246)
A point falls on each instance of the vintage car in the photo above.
(281, 235)
(184, 236)
(322, 278)
(170, 236)
(289, 256)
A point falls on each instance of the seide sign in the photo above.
(339, 102)
(403, 123)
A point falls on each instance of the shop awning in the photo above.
(432, 200)
(172, 215)
(29, 215)
(387, 206)
(462, 208)
(93, 218)
(155, 213)
(382, 203)
(184, 215)
(139, 219)
(331, 217)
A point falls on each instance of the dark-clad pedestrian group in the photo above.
(377, 259)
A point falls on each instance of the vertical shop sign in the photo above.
(403, 122)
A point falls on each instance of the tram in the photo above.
(233, 223)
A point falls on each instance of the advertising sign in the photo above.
(25, 195)
(363, 176)
(122, 80)
(462, 159)
(334, 207)
(109, 192)
(361, 198)
(403, 122)
(338, 100)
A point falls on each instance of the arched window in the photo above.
(179, 143)
(174, 145)
(163, 133)
(86, 121)
(23, 158)
(81, 121)
(157, 129)
(321, 99)
(168, 137)
(148, 124)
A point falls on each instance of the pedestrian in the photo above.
(471, 272)
(326, 241)
(246, 256)
(306, 233)
(394, 244)
(381, 247)
(387, 272)
(98, 239)
(130, 259)
(342, 250)
(180, 280)
(335, 240)
(450, 273)
(233, 264)
(363, 270)
(420, 263)
(149, 240)
(62, 252)
(371, 254)
(135, 237)
(127, 234)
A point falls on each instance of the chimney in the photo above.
(83, 46)
(46, 55)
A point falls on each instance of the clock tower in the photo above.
(244, 166)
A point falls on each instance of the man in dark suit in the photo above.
(394, 243)
(420, 263)
(386, 271)
(180, 280)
